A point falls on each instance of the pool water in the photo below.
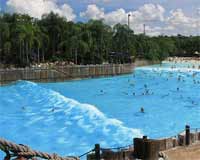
(70, 117)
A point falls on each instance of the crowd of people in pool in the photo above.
(193, 74)
(182, 59)
(147, 91)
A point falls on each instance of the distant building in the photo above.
(197, 53)
(119, 57)
(187, 54)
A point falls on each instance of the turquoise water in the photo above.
(70, 117)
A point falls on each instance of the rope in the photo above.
(103, 149)
(194, 129)
(6, 145)
(86, 153)
(118, 148)
(25, 151)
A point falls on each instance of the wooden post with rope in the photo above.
(187, 135)
(97, 152)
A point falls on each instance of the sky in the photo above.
(169, 17)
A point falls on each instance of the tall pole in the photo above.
(144, 25)
(129, 21)
(187, 135)
(198, 26)
(128, 33)
(198, 21)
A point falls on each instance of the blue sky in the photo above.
(166, 16)
(79, 5)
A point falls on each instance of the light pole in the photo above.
(144, 25)
(198, 27)
(198, 21)
(129, 20)
(128, 32)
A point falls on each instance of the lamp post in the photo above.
(198, 21)
(198, 27)
(129, 20)
(144, 25)
(128, 32)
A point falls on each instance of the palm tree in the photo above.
(20, 35)
(29, 40)
(4, 38)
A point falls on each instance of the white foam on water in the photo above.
(62, 120)
(170, 68)
(34, 120)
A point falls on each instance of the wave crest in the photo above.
(65, 121)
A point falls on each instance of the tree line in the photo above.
(25, 40)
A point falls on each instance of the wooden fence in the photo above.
(146, 149)
(149, 149)
(62, 73)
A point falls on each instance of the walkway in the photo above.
(184, 153)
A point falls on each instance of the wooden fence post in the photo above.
(187, 135)
(144, 149)
(124, 155)
(97, 151)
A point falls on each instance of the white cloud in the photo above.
(178, 17)
(114, 17)
(180, 23)
(97, 1)
(148, 12)
(93, 12)
(36, 8)
(153, 15)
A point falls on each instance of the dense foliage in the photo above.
(25, 40)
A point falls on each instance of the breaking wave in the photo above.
(51, 122)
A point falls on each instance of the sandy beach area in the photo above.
(183, 59)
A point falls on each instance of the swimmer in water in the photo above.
(192, 102)
(125, 93)
(146, 92)
(142, 110)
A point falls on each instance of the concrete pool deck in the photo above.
(191, 152)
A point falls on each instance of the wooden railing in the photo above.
(61, 73)
(141, 148)
(147, 149)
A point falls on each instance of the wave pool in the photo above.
(70, 117)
